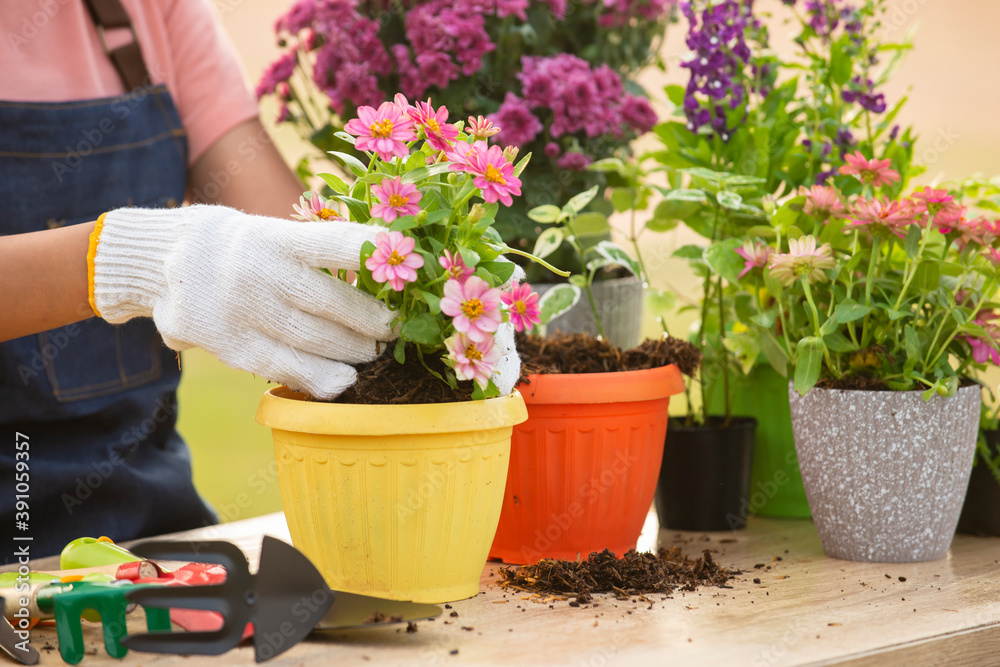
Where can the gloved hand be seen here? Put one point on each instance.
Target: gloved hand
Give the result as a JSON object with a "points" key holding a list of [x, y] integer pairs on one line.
{"points": [[245, 288], [509, 366]]}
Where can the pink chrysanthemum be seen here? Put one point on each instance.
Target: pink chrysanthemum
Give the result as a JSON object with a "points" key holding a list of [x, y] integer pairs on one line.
{"points": [[394, 260], [316, 207], [474, 360], [870, 172], [474, 305], [396, 199], [803, 260], [454, 266], [494, 175], [822, 202], [756, 256], [522, 304], [979, 231], [882, 216], [384, 131], [439, 132]]}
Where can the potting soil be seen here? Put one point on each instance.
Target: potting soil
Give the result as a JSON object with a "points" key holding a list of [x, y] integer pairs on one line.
{"points": [[584, 353], [633, 574]]}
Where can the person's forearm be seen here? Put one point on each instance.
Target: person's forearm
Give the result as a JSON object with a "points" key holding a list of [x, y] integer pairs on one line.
{"points": [[44, 280]]}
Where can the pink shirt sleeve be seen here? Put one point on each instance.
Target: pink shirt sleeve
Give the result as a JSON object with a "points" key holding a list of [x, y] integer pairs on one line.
{"points": [[209, 84], [56, 56]]}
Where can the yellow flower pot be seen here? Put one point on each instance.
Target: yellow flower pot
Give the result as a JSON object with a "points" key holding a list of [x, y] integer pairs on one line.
{"points": [[396, 501]]}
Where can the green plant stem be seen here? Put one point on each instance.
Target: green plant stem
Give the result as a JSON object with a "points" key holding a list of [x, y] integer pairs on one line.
{"points": [[913, 264], [573, 239], [514, 251], [826, 353], [723, 357], [992, 285], [869, 284], [634, 238]]}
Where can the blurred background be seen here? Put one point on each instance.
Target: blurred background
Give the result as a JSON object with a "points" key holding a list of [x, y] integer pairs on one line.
{"points": [[953, 98]]}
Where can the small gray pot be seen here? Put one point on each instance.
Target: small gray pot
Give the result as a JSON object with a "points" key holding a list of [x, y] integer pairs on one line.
{"points": [[884, 471], [619, 302]]}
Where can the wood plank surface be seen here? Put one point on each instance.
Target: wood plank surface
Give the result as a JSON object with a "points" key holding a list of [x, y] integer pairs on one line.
{"points": [[807, 610]]}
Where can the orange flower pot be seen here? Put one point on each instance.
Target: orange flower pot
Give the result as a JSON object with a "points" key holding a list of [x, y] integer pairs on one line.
{"points": [[583, 468]]}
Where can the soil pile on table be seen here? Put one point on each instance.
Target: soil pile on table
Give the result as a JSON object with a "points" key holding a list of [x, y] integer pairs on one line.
{"points": [[385, 381], [584, 353], [633, 574]]}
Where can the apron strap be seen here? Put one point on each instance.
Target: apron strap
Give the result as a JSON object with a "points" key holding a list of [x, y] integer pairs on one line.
{"points": [[127, 59]]}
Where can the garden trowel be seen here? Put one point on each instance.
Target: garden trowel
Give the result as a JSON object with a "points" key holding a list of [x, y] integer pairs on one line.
{"points": [[285, 600]]}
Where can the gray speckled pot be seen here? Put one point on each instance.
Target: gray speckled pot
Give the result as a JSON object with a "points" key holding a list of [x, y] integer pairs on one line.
{"points": [[619, 302], [885, 472]]}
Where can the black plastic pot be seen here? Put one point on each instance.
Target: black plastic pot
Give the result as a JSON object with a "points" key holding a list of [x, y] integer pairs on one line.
{"points": [[981, 511], [705, 477]]}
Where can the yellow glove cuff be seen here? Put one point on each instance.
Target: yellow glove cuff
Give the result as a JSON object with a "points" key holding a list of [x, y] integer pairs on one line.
{"points": [[95, 239]]}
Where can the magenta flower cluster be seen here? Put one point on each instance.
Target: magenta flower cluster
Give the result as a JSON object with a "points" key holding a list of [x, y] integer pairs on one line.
{"points": [[577, 97]]}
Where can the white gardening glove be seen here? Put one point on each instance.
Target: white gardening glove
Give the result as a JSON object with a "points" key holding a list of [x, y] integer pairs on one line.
{"points": [[509, 366], [246, 288]]}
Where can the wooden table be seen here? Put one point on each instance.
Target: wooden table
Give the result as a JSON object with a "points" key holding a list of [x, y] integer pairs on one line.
{"points": [[807, 610]]}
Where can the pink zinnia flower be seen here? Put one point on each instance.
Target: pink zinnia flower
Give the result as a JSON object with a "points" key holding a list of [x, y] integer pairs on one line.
{"points": [[474, 360], [803, 260], [394, 260], [454, 266], [939, 206], [474, 305], [316, 207], [985, 348], [822, 202], [755, 254], [481, 127], [993, 255], [882, 215], [979, 231], [439, 132], [522, 304], [397, 199], [384, 131], [873, 172], [494, 174]]}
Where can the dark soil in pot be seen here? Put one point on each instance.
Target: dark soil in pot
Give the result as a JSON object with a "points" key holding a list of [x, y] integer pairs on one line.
{"points": [[981, 510], [385, 381], [705, 476], [583, 353]]}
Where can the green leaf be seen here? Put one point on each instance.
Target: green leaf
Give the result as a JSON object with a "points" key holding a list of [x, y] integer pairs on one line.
{"points": [[349, 138], [519, 167], [690, 251], [548, 242], [840, 61], [358, 209], [829, 326], [557, 301], [502, 270], [433, 301], [662, 224], [545, 214], [729, 200], [677, 209], [609, 250], [682, 194], [838, 342], [469, 256], [913, 240], [367, 281], [912, 341], [335, 183], [774, 353], [580, 201], [399, 352], [608, 164], [621, 199], [403, 223], [424, 328], [808, 363], [721, 257], [354, 164], [675, 93], [897, 314], [578, 280], [423, 173], [591, 224], [927, 276], [849, 311]]}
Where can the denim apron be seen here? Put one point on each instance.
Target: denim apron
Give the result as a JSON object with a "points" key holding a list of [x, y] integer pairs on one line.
{"points": [[97, 401]]}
